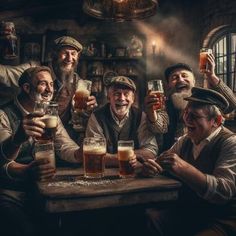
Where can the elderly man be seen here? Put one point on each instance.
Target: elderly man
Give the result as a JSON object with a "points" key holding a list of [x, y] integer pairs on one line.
{"points": [[119, 120], [180, 79], [65, 58], [205, 161], [19, 127]]}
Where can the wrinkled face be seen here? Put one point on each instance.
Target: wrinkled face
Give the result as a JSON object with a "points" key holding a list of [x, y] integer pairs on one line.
{"points": [[121, 100], [41, 88], [199, 125], [68, 59], [181, 80]]}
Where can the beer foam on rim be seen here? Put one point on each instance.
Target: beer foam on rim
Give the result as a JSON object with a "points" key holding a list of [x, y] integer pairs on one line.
{"points": [[50, 121], [94, 150]]}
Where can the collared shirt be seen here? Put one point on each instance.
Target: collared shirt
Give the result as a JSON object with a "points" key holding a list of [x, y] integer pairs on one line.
{"points": [[221, 183], [64, 146], [146, 139]]}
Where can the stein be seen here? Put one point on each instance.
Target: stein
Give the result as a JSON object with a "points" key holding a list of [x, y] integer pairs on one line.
{"points": [[81, 94], [125, 153], [94, 151], [203, 64], [156, 87]]}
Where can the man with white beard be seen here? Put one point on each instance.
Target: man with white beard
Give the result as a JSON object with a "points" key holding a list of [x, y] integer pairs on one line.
{"points": [[65, 57], [180, 80]]}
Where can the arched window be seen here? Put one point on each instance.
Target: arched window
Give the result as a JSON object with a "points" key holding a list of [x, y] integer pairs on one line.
{"points": [[224, 49]]}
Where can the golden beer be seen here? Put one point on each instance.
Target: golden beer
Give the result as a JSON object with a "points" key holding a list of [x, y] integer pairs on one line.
{"points": [[94, 151], [125, 154], [203, 64]]}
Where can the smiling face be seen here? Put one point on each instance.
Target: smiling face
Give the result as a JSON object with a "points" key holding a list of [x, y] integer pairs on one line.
{"points": [[200, 124], [121, 99], [41, 87]]}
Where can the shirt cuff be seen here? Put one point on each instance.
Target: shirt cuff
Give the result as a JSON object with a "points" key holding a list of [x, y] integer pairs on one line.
{"points": [[211, 187]]}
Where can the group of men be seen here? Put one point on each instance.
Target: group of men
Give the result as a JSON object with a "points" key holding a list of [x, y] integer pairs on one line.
{"points": [[203, 158]]}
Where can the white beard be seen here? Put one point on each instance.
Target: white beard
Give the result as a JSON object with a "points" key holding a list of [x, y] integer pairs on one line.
{"points": [[178, 100]]}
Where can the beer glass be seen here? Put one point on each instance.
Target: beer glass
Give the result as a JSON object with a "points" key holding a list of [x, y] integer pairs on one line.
{"points": [[94, 151], [45, 150], [125, 153], [50, 118], [203, 64], [156, 87], [81, 94]]}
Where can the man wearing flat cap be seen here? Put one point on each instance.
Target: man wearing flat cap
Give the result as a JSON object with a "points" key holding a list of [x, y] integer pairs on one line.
{"points": [[20, 126], [204, 160], [180, 79], [64, 61], [120, 120]]}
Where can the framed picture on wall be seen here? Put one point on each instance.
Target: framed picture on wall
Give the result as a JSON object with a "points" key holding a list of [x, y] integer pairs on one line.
{"points": [[31, 47]]}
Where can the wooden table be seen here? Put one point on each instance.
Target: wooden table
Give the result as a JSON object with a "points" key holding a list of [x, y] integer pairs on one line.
{"points": [[70, 191]]}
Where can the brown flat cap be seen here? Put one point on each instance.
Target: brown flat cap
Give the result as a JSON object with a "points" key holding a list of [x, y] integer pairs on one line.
{"points": [[30, 73], [68, 41], [208, 96], [122, 81]]}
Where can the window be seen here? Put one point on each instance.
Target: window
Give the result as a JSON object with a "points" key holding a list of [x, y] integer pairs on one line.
{"points": [[224, 49]]}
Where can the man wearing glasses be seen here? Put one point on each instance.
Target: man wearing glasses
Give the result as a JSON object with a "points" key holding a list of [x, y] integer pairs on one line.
{"points": [[205, 161]]}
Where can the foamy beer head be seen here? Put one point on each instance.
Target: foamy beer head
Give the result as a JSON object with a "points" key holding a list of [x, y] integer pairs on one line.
{"points": [[50, 122], [94, 151], [125, 153]]}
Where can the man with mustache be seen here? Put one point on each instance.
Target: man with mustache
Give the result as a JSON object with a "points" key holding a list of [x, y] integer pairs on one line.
{"points": [[65, 57], [120, 120], [180, 80], [204, 160], [19, 127]]}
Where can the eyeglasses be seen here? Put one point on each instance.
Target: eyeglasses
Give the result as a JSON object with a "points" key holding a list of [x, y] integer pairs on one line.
{"points": [[192, 116]]}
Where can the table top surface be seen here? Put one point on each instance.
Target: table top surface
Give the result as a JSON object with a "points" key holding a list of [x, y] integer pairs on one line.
{"points": [[70, 183]]}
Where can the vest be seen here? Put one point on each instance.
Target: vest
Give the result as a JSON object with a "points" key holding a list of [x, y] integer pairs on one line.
{"points": [[175, 124], [206, 163], [113, 132], [25, 154]]}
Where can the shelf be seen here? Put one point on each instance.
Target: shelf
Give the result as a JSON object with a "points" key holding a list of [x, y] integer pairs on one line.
{"points": [[111, 58]]}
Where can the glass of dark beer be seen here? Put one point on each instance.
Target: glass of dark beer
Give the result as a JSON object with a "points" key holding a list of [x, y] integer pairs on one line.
{"points": [[125, 153], [94, 151], [50, 119]]}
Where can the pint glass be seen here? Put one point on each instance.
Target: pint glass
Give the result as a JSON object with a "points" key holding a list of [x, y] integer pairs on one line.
{"points": [[81, 94], [94, 151], [45, 150], [125, 153], [203, 65], [156, 87]]}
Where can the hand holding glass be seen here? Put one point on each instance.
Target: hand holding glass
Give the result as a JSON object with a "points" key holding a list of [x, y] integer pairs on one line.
{"points": [[203, 64], [156, 87], [81, 95]]}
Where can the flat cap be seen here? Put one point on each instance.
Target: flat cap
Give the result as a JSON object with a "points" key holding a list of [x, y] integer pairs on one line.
{"points": [[122, 81], [30, 73], [174, 67], [67, 41], [208, 96]]}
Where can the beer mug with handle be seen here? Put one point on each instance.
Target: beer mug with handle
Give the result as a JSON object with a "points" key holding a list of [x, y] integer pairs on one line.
{"points": [[94, 151]]}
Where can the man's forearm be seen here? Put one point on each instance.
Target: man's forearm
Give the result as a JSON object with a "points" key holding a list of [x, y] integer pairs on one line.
{"points": [[9, 150], [144, 154]]}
